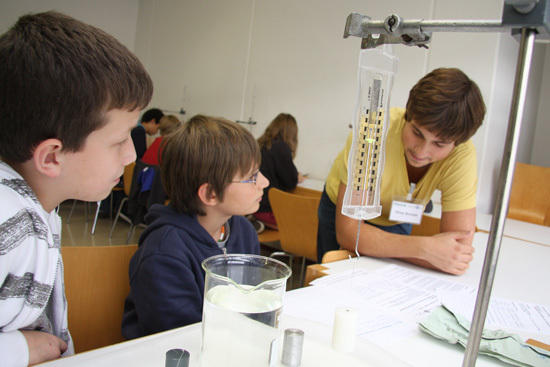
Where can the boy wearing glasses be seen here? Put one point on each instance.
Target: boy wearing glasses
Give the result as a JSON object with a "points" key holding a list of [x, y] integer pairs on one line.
{"points": [[209, 170]]}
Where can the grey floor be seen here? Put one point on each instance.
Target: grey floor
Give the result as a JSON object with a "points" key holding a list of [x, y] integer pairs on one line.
{"points": [[77, 230]]}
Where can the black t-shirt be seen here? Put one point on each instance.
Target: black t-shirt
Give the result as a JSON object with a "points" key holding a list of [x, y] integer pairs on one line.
{"points": [[140, 141], [278, 167]]}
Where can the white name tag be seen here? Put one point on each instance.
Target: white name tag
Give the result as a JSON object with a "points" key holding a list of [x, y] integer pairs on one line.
{"points": [[402, 211]]}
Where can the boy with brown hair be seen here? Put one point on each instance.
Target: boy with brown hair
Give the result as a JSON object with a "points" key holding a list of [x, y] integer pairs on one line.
{"points": [[210, 172], [70, 96], [427, 145]]}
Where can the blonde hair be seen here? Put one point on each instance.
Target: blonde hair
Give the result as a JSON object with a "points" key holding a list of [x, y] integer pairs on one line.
{"points": [[282, 127], [168, 124]]}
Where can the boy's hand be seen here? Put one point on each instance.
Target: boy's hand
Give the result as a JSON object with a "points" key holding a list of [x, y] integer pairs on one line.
{"points": [[448, 252], [43, 346]]}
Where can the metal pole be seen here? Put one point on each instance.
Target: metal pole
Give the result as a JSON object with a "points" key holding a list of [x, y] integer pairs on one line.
{"points": [[503, 195]]}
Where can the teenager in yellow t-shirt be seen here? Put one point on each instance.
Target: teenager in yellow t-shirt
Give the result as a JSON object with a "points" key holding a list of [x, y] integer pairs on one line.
{"points": [[428, 145]]}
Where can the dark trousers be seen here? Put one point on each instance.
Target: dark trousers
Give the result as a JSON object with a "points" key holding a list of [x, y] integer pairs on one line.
{"points": [[326, 233]]}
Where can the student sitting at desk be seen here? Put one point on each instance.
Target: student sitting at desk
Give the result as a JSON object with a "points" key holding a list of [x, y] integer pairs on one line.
{"points": [[168, 124], [428, 145], [209, 169], [149, 125], [278, 143]]}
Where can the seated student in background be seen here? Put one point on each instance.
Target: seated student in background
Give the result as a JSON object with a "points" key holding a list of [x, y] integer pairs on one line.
{"points": [[278, 143], [209, 170], [427, 144], [167, 125], [149, 125], [66, 135]]}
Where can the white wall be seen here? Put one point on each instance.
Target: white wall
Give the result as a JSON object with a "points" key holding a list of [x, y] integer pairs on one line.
{"points": [[529, 123], [540, 155], [255, 58], [117, 17]]}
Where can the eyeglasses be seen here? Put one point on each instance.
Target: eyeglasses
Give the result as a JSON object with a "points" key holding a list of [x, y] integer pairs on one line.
{"points": [[252, 178]]}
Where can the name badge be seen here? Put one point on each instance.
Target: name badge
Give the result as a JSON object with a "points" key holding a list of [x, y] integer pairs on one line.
{"points": [[402, 211]]}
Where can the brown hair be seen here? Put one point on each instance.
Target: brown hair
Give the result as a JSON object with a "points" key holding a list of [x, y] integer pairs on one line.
{"points": [[282, 127], [448, 104], [168, 124], [59, 78], [205, 150]]}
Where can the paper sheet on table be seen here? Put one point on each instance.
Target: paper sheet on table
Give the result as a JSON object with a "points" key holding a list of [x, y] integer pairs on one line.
{"points": [[390, 300], [374, 324], [513, 316]]}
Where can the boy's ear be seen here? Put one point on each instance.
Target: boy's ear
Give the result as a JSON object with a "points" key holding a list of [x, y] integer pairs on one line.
{"points": [[207, 195], [47, 157]]}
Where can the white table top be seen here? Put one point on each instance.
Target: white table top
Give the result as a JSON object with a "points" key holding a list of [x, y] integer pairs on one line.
{"points": [[517, 229], [521, 272], [521, 269], [150, 350], [312, 183], [512, 228]]}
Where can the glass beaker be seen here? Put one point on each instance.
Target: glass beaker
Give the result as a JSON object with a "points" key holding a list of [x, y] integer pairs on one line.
{"points": [[243, 299]]}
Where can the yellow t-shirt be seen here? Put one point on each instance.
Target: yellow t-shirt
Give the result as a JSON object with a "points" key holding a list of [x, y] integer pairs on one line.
{"points": [[455, 176]]}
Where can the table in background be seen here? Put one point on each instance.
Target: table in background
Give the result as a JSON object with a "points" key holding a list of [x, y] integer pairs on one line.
{"points": [[312, 183], [513, 228], [517, 229]]}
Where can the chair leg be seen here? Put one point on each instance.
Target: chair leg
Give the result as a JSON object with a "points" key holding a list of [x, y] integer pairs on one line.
{"points": [[130, 233], [96, 215], [111, 206], [302, 273], [117, 216], [71, 212], [290, 261]]}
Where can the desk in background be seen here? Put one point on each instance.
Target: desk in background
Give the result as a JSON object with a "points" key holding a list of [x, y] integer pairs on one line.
{"points": [[517, 229], [313, 184], [513, 228]]}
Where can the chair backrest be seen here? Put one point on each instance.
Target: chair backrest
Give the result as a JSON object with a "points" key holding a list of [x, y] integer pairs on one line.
{"points": [[145, 191], [306, 192], [336, 255], [530, 196], [428, 227], [296, 217], [128, 176], [96, 286]]}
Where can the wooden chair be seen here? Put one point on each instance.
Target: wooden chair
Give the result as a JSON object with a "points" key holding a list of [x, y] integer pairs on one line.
{"points": [[306, 192], [96, 285], [428, 227], [128, 176], [317, 270], [530, 196], [296, 217], [271, 237]]}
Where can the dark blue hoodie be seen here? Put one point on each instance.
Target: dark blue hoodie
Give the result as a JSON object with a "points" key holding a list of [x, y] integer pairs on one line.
{"points": [[166, 277]]}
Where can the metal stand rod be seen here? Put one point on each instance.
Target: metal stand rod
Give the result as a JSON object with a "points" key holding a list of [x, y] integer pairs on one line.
{"points": [[503, 195], [363, 26]]}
